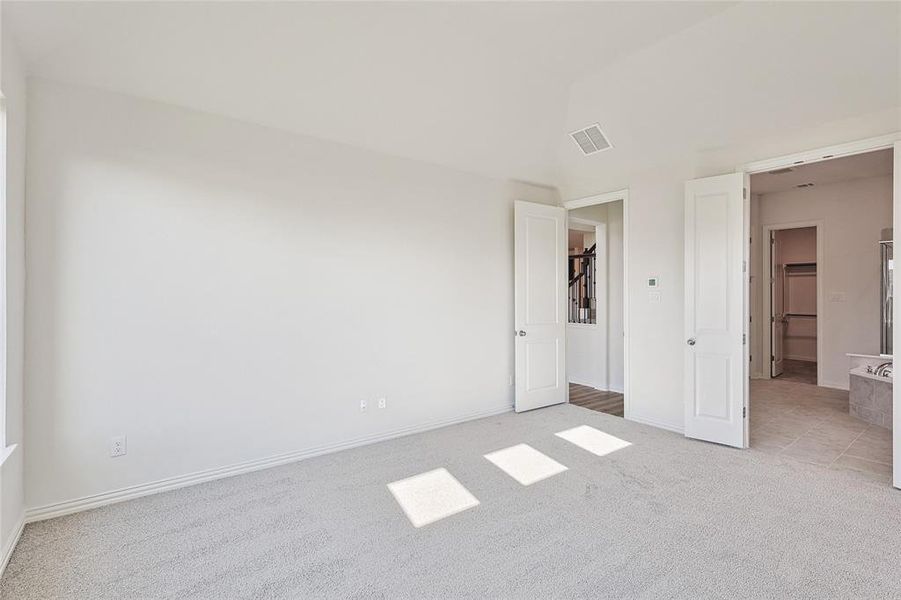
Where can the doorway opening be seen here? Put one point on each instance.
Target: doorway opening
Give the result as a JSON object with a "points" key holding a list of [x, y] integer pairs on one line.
{"points": [[793, 305], [820, 297], [595, 352]]}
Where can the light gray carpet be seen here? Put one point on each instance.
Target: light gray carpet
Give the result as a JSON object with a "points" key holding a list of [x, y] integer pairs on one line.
{"points": [[663, 518]]}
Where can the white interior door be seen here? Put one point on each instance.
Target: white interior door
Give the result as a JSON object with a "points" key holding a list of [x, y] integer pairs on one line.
{"points": [[777, 319], [540, 305], [716, 308]]}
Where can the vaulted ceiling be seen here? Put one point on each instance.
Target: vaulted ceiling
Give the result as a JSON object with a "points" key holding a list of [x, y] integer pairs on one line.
{"points": [[492, 88]]}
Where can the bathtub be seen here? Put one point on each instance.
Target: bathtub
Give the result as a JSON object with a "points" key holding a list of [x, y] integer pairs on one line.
{"points": [[870, 397]]}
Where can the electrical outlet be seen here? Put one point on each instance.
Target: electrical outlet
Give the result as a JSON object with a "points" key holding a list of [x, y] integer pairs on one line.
{"points": [[363, 405], [383, 402], [118, 446]]}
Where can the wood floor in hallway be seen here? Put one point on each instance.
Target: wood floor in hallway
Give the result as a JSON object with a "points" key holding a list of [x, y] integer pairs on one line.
{"points": [[601, 401]]}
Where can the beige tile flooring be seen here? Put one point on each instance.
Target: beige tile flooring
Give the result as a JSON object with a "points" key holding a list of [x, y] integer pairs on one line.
{"points": [[799, 370], [812, 424]]}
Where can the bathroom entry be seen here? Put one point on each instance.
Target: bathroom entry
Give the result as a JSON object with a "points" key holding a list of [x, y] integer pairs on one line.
{"points": [[820, 297], [793, 289]]}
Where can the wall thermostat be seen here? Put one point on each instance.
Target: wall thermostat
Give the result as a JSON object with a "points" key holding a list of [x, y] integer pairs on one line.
{"points": [[653, 282]]}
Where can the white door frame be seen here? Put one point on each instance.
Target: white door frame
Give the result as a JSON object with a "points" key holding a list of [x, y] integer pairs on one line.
{"points": [[606, 198], [889, 140], [768, 300]]}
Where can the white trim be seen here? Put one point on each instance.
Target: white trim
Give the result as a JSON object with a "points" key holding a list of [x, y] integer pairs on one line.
{"points": [[7, 452], [597, 199], [835, 385], [659, 424], [820, 154], [11, 544], [592, 384], [4, 257], [618, 195], [822, 267], [896, 331], [66, 507]]}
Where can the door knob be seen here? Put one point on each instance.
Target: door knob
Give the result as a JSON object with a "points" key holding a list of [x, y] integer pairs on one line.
{"points": [[521, 333], [692, 341]]}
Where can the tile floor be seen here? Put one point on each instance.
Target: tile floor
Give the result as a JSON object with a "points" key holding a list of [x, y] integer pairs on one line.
{"points": [[812, 424], [801, 371]]}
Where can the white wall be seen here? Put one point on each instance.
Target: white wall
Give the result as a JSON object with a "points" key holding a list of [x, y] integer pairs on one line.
{"points": [[187, 290], [594, 353], [853, 215], [12, 84]]}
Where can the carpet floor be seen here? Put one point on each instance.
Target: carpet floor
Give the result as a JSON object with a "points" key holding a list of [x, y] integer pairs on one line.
{"points": [[665, 517]]}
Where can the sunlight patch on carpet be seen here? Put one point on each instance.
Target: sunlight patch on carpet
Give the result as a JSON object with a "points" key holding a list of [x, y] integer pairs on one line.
{"points": [[525, 464], [431, 496], [595, 441]]}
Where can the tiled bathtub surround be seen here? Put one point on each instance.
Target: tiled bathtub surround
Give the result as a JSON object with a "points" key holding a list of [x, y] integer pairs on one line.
{"points": [[870, 400], [812, 424]]}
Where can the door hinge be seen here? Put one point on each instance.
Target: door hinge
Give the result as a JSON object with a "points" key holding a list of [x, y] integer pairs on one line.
{"points": [[744, 412], [744, 266], [744, 339], [772, 358], [744, 193]]}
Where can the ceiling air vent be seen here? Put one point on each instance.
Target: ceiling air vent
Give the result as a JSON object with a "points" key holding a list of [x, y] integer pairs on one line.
{"points": [[781, 171], [591, 139]]}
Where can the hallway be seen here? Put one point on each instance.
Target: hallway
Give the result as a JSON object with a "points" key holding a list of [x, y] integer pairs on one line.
{"points": [[598, 400]]}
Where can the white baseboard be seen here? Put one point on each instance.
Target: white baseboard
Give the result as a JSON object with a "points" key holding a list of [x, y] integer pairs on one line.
{"points": [[591, 384], [655, 423], [598, 386], [800, 358], [834, 385], [11, 544], [67, 507]]}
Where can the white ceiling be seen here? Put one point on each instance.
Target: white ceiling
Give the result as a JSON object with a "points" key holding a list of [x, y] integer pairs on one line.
{"points": [[491, 88], [477, 86], [754, 73], [859, 166]]}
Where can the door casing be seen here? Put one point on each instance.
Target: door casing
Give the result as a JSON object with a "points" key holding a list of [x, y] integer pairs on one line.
{"points": [[615, 196], [889, 140], [768, 274]]}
